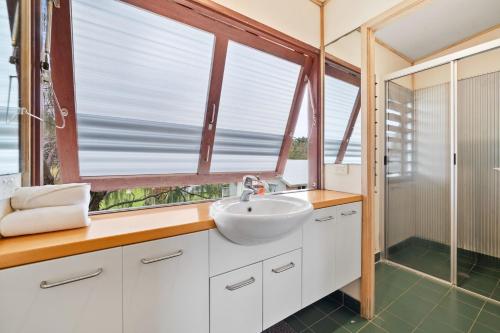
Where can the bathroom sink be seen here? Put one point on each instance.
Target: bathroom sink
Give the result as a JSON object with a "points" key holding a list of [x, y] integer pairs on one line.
{"points": [[260, 220]]}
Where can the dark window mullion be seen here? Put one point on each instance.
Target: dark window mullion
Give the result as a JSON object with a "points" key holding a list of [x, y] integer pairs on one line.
{"points": [[211, 113], [349, 129], [294, 115]]}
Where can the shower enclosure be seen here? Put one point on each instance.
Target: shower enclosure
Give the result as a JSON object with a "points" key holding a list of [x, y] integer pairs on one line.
{"points": [[442, 182]]}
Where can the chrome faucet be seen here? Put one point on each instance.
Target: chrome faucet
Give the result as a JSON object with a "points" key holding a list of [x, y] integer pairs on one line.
{"points": [[248, 187]]}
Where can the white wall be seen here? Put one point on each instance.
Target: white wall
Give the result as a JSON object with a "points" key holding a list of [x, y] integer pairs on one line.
{"points": [[297, 18], [349, 49], [342, 16]]}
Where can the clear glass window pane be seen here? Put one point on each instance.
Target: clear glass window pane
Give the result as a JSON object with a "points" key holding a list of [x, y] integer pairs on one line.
{"points": [[256, 99], [340, 97], [141, 85]]}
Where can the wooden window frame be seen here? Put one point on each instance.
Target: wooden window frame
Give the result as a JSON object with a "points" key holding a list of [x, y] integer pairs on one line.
{"points": [[226, 25], [350, 74]]}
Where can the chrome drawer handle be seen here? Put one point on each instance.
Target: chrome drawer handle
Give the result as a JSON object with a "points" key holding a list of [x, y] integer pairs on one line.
{"points": [[240, 284], [283, 268], [352, 212], [46, 284], [324, 219], [168, 256]]}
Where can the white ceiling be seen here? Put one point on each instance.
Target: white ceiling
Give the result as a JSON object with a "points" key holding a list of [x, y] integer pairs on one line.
{"points": [[439, 24]]}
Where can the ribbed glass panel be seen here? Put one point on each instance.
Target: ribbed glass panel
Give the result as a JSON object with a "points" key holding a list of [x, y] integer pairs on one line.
{"points": [[340, 97], [141, 85], [256, 99], [9, 100], [418, 173], [478, 183]]}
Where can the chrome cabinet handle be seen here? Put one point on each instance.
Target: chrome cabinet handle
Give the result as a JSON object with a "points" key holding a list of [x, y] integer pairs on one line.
{"points": [[352, 212], [46, 284], [324, 219], [283, 268], [168, 256], [241, 284]]}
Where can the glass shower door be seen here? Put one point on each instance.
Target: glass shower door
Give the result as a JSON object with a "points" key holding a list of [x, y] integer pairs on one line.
{"points": [[478, 176], [418, 171]]}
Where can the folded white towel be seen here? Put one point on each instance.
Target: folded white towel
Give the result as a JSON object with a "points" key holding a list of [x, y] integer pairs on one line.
{"points": [[33, 221], [50, 196]]}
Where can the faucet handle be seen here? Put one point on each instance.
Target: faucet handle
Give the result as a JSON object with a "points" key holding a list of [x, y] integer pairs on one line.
{"points": [[248, 181]]}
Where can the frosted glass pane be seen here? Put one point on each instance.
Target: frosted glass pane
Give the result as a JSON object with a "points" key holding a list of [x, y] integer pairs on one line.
{"points": [[256, 99], [141, 89], [9, 100], [339, 101]]}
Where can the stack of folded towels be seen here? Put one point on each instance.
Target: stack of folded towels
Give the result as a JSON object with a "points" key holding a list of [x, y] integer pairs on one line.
{"points": [[47, 208]]}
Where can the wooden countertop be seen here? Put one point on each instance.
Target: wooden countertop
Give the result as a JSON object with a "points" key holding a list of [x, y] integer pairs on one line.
{"points": [[123, 228]]}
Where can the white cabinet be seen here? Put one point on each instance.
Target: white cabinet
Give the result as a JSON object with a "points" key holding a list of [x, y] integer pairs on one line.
{"points": [[77, 294], [348, 244], [236, 301], [166, 286], [282, 287], [331, 251], [226, 255], [318, 266]]}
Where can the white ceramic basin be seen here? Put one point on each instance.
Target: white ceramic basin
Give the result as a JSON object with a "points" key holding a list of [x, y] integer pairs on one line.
{"points": [[260, 220]]}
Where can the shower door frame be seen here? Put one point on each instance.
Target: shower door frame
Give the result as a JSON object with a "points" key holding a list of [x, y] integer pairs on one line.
{"points": [[452, 60]]}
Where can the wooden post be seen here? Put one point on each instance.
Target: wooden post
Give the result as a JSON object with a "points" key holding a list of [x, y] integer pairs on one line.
{"points": [[368, 171]]}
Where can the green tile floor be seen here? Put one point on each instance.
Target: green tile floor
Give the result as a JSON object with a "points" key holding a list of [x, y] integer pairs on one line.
{"points": [[405, 302], [476, 272]]}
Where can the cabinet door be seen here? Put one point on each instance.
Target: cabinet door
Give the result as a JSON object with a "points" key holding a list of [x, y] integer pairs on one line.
{"points": [[282, 287], [318, 250], [165, 285], [77, 294], [348, 244], [236, 301]]}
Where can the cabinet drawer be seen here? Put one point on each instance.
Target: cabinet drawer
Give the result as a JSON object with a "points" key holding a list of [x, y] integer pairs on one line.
{"points": [[236, 301], [282, 287], [165, 285], [80, 294]]}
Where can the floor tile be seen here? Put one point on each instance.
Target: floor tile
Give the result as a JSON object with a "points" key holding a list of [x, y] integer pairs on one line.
{"points": [[460, 307], [492, 308], [456, 294], [411, 309], [480, 282], [480, 328], [348, 319], [385, 294], [326, 325], [392, 324], [371, 328], [309, 315], [488, 319], [382, 271], [426, 293], [281, 327], [448, 316], [402, 279], [327, 305], [430, 325], [295, 323]]}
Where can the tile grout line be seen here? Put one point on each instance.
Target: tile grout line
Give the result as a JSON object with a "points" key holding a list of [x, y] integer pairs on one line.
{"points": [[477, 317], [435, 306]]}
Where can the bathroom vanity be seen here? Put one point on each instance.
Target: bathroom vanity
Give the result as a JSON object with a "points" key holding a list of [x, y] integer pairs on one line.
{"points": [[194, 282]]}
